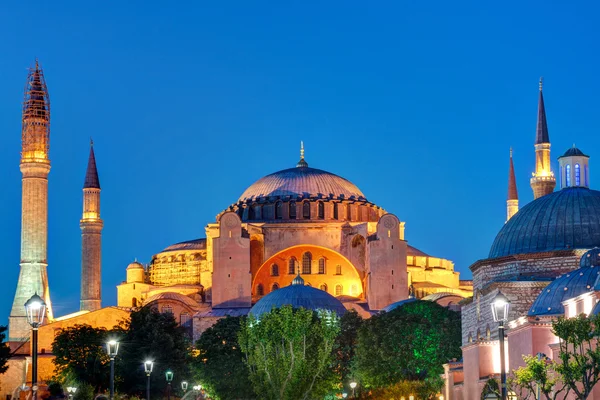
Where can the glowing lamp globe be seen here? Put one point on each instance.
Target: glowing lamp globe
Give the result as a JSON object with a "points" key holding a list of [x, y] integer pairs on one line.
{"points": [[184, 385], [112, 348], [148, 365], [500, 306], [36, 310], [169, 375]]}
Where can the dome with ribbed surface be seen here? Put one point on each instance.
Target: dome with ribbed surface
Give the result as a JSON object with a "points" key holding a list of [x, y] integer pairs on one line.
{"points": [[574, 152], [563, 220], [298, 295], [302, 182]]}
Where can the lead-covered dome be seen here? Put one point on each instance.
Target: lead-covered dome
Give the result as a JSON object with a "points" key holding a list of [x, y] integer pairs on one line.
{"points": [[298, 295], [302, 181], [563, 220]]}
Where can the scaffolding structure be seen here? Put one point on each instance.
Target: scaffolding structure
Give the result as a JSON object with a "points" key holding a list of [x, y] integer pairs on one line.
{"points": [[35, 118]]}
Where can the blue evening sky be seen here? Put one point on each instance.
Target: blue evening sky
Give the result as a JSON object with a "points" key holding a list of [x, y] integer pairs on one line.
{"points": [[188, 103]]}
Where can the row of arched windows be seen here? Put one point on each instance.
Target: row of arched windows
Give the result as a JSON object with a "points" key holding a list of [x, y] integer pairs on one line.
{"points": [[578, 175], [339, 289], [255, 211], [306, 266]]}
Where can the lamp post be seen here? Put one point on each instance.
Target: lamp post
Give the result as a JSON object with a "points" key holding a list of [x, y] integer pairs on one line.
{"points": [[71, 390], [148, 365], [344, 395], [353, 386], [184, 386], [169, 377], [112, 348], [35, 309], [500, 306]]}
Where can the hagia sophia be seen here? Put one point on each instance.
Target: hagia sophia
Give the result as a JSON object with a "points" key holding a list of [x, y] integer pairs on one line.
{"points": [[307, 237]]}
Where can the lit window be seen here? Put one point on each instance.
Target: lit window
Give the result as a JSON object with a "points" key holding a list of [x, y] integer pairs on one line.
{"points": [[306, 263], [306, 210], [321, 265], [586, 176], [292, 266], [338, 269], [577, 175], [278, 214], [321, 210], [274, 270], [339, 290], [323, 287], [568, 175], [292, 207], [185, 320], [274, 287], [167, 309], [259, 290]]}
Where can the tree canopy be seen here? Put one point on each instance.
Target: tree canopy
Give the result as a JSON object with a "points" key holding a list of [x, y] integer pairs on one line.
{"points": [[289, 353], [345, 346], [4, 350], [410, 343], [219, 363]]}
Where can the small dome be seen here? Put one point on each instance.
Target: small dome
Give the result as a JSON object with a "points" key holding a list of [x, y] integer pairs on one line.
{"points": [[196, 244], [135, 265], [297, 295], [563, 220], [564, 287], [399, 304], [573, 152], [590, 258]]}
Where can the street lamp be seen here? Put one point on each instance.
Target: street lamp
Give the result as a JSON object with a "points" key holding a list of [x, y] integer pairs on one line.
{"points": [[500, 306], [344, 395], [112, 348], [148, 365], [353, 386], [169, 377], [71, 390], [35, 308], [184, 386]]}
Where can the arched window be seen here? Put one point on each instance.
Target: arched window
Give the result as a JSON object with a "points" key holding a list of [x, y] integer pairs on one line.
{"points": [[323, 287], [348, 212], [251, 213], [577, 175], [568, 175], [354, 290], [306, 262], [335, 210], [167, 309], [321, 265], [339, 290], [260, 290], [306, 210], [292, 266], [562, 179], [134, 302], [274, 270], [274, 287], [278, 214], [338, 269], [321, 210], [185, 320], [292, 207]]}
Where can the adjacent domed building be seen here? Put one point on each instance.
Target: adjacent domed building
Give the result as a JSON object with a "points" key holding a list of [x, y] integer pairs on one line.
{"points": [[300, 220]]}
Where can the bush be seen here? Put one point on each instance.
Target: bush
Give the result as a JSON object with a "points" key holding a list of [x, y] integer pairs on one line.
{"points": [[84, 391]]}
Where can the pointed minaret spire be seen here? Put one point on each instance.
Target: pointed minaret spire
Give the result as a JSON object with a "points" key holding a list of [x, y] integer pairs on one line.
{"points": [[91, 175], [512, 200], [543, 180], [302, 163]]}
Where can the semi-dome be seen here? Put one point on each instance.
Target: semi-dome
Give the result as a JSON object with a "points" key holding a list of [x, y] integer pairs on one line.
{"points": [[563, 220], [564, 287], [298, 295], [302, 182], [399, 304]]}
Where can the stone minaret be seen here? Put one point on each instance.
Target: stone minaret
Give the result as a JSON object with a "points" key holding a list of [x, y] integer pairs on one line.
{"points": [[543, 180], [35, 166], [91, 239], [512, 200]]}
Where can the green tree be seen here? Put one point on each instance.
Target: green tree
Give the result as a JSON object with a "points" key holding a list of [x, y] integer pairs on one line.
{"points": [[150, 335], [426, 389], [4, 350], [491, 387], [579, 354], [289, 353], [220, 363], [80, 355], [538, 374], [411, 342], [345, 346]]}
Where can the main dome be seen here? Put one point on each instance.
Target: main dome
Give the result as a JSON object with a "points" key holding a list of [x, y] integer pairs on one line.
{"points": [[563, 220], [302, 181]]}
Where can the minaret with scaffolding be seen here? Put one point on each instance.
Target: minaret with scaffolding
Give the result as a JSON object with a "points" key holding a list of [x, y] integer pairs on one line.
{"points": [[35, 166]]}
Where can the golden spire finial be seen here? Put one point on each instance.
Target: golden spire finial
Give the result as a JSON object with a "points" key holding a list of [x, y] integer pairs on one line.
{"points": [[302, 150], [541, 82]]}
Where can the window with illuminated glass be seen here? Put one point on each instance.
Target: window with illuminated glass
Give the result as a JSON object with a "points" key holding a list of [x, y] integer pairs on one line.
{"points": [[339, 290], [306, 263], [292, 266], [568, 175], [321, 265], [577, 175]]}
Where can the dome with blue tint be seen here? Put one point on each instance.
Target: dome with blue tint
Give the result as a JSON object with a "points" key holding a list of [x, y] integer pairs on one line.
{"points": [[564, 287], [563, 220], [590, 258], [573, 152], [298, 295], [399, 304]]}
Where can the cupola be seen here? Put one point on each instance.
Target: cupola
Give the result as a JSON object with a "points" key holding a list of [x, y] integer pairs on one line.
{"points": [[574, 169]]}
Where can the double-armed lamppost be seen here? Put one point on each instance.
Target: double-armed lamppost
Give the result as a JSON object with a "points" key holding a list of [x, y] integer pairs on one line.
{"points": [[35, 309], [112, 348], [148, 365], [71, 390], [169, 377], [500, 306]]}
